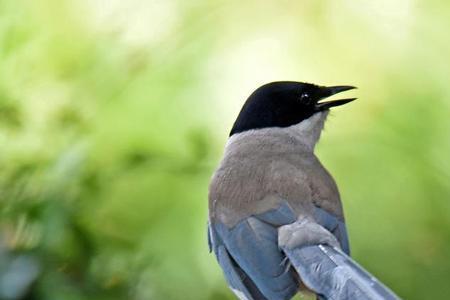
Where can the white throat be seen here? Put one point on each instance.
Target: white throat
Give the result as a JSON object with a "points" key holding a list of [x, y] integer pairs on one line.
{"points": [[308, 131]]}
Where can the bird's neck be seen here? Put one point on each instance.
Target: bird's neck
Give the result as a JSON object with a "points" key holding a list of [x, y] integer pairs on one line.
{"points": [[302, 137], [308, 131]]}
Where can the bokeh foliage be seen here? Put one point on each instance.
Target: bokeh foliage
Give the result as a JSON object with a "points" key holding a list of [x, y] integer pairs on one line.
{"points": [[113, 115]]}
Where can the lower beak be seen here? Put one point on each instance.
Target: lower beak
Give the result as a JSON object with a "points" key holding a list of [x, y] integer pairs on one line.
{"points": [[330, 91]]}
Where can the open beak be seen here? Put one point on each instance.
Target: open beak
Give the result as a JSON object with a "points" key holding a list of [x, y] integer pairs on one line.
{"points": [[326, 92]]}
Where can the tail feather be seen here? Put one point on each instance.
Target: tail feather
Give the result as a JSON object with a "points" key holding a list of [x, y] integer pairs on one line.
{"points": [[333, 275]]}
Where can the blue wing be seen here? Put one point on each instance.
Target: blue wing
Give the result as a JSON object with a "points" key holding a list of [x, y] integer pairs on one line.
{"points": [[254, 265], [250, 257], [334, 225]]}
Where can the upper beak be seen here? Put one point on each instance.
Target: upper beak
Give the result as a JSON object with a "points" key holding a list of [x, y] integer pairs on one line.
{"points": [[331, 90]]}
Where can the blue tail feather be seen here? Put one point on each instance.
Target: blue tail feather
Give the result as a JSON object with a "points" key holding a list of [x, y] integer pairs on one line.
{"points": [[333, 275]]}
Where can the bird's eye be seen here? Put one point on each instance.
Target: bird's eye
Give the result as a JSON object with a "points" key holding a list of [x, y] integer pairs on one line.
{"points": [[305, 96]]}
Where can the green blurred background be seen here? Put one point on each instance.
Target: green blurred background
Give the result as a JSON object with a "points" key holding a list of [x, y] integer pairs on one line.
{"points": [[113, 115]]}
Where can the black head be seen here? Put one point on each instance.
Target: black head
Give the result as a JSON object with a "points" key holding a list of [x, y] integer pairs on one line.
{"points": [[285, 103]]}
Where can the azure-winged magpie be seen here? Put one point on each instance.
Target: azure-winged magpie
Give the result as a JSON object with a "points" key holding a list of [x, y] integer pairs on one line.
{"points": [[276, 223]]}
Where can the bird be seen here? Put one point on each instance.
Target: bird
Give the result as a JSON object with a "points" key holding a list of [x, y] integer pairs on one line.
{"points": [[275, 218]]}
